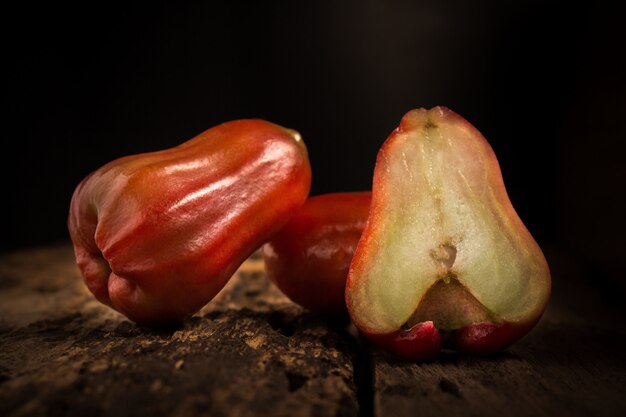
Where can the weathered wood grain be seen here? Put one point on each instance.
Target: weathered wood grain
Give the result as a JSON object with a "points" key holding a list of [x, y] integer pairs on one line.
{"points": [[248, 353], [251, 352]]}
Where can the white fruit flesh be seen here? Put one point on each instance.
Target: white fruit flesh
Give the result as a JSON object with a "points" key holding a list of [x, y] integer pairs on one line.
{"points": [[440, 213]]}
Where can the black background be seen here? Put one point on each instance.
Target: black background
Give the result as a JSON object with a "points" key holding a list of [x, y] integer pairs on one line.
{"points": [[542, 80]]}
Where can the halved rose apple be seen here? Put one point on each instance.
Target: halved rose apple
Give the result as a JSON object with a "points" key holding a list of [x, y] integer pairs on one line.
{"points": [[444, 260]]}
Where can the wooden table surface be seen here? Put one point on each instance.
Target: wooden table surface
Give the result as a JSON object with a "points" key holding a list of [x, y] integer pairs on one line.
{"points": [[251, 352]]}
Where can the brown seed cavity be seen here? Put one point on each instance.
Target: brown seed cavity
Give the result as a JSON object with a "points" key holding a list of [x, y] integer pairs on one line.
{"points": [[444, 256]]}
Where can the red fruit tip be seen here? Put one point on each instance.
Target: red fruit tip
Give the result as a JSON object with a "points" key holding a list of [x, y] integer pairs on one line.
{"points": [[421, 342]]}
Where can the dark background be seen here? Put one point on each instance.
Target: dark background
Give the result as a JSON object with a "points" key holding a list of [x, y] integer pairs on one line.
{"points": [[542, 80]]}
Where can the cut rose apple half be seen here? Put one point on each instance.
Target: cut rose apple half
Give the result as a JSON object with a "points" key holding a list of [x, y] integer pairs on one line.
{"points": [[444, 260]]}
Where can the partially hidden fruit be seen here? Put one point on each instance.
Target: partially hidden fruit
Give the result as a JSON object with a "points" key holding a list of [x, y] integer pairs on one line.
{"points": [[444, 260], [157, 235], [309, 258]]}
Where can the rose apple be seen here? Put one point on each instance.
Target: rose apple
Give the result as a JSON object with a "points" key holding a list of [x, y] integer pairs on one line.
{"points": [[309, 258], [444, 259], [157, 235]]}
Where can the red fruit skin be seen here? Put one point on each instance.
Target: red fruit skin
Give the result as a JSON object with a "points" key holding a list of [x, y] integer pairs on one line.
{"points": [[488, 338], [157, 235], [422, 342], [309, 258]]}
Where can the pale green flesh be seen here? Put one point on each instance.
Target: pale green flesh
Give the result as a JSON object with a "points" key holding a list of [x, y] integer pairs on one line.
{"points": [[439, 184]]}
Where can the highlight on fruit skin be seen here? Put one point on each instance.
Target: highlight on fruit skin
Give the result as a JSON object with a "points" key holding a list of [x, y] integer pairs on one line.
{"points": [[157, 235], [444, 260], [308, 259]]}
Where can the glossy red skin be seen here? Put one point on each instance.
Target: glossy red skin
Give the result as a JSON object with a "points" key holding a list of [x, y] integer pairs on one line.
{"points": [[309, 258], [421, 342], [487, 338], [157, 235]]}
